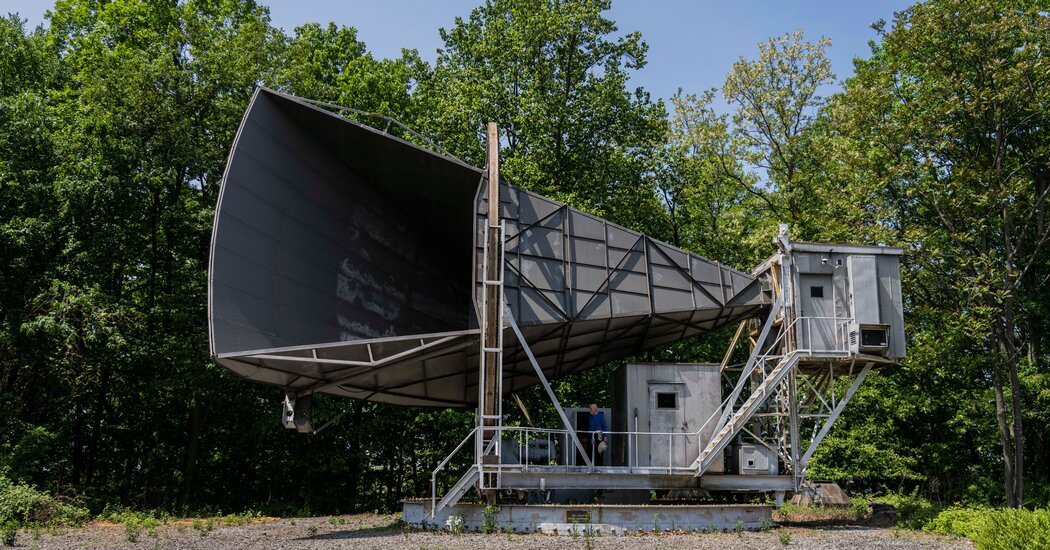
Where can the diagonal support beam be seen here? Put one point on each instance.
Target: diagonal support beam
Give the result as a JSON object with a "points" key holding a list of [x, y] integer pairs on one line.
{"points": [[750, 365], [834, 416], [547, 386]]}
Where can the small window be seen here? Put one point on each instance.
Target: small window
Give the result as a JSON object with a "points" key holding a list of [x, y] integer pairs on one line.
{"points": [[667, 401], [816, 292], [873, 337]]}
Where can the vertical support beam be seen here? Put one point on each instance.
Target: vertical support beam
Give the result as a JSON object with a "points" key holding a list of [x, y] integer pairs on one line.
{"points": [[491, 322], [793, 436], [493, 164]]}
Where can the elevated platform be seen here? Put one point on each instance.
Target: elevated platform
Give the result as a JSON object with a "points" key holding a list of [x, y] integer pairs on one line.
{"points": [[594, 519], [615, 477]]}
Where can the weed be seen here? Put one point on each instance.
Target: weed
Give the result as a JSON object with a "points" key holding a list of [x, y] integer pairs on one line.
{"points": [[237, 520], [132, 528], [588, 537], [203, 526], [312, 530], [489, 517], [9, 533], [454, 525], [785, 537], [292, 521], [767, 524], [739, 529]]}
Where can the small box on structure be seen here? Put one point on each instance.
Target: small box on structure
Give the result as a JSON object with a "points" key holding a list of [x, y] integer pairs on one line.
{"points": [[665, 405]]}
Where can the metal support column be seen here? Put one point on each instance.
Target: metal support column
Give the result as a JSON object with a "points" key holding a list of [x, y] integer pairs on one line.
{"points": [[792, 387]]}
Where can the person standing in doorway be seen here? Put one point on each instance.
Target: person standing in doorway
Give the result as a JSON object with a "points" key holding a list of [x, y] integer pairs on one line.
{"points": [[597, 428]]}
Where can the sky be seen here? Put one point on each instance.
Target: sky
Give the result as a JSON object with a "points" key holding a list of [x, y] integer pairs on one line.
{"points": [[692, 44]]}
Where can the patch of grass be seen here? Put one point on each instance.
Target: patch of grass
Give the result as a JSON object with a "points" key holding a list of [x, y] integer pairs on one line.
{"points": [[1010, 529], [204, 527], [784, 536], [793, 513], [244, 518]]}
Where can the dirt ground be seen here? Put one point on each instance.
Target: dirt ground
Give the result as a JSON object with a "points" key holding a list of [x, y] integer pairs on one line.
{"points": [[383, 531]]}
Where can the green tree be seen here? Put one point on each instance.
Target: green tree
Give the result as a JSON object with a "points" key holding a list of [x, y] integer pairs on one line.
{"points": [[711, 199], [777, 98], [946, 134], [330, 64], [554, 78]]}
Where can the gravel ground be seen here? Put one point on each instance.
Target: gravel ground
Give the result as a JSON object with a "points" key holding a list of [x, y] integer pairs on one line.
{"points": [[379, 531]]}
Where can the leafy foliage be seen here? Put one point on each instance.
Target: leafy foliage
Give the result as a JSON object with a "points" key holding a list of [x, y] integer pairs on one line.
{"points": [[21, 504]]}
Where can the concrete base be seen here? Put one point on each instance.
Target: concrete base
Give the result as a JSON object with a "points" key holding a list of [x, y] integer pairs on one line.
{"points": [[596, 519]]}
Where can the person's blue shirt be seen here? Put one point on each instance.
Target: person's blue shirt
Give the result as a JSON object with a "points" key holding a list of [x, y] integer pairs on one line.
{"points": [[598, 422]]}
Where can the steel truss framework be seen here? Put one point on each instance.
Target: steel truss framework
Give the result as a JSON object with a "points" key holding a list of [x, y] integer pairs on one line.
{"points": [[785, 398]]}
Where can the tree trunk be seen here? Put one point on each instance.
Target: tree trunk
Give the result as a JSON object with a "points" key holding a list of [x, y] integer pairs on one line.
{"points": [[1004, 434]]}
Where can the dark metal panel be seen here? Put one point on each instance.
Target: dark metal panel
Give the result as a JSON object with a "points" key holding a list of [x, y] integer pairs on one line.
{"points": [[315, 240]]}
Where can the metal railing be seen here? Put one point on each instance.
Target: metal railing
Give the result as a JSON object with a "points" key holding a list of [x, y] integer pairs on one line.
{"points": [[523, 435], [441, 466], [835, 329]]}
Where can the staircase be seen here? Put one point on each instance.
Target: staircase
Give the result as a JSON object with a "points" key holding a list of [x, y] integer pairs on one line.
{"points": [[741, 417], [457, 491]]}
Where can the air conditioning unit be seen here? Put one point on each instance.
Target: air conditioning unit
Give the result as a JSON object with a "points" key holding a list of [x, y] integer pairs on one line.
{"points": [[870, 339]]}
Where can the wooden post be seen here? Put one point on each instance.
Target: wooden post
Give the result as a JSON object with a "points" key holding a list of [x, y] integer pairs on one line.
{"points": [[491, 329], [493, 158]]}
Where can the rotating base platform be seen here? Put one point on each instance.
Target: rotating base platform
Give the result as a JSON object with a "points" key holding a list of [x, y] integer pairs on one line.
{"points": [[594, 519]]}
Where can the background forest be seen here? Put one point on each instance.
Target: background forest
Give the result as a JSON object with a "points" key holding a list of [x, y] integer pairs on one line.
{"points": [[116, 120]]}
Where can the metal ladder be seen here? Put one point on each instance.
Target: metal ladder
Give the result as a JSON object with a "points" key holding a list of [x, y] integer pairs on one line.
{"points": [[741, 417], [488, 435]]}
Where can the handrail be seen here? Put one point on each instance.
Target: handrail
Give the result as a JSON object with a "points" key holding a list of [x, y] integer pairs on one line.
{"points": [[441, 466]]}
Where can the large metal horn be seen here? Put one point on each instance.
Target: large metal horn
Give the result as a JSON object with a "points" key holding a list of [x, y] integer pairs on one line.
{"points": [[345, 261]]}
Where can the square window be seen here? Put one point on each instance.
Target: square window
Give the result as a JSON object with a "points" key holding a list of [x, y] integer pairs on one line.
{"points": [[667, 401], [816, 292]]}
